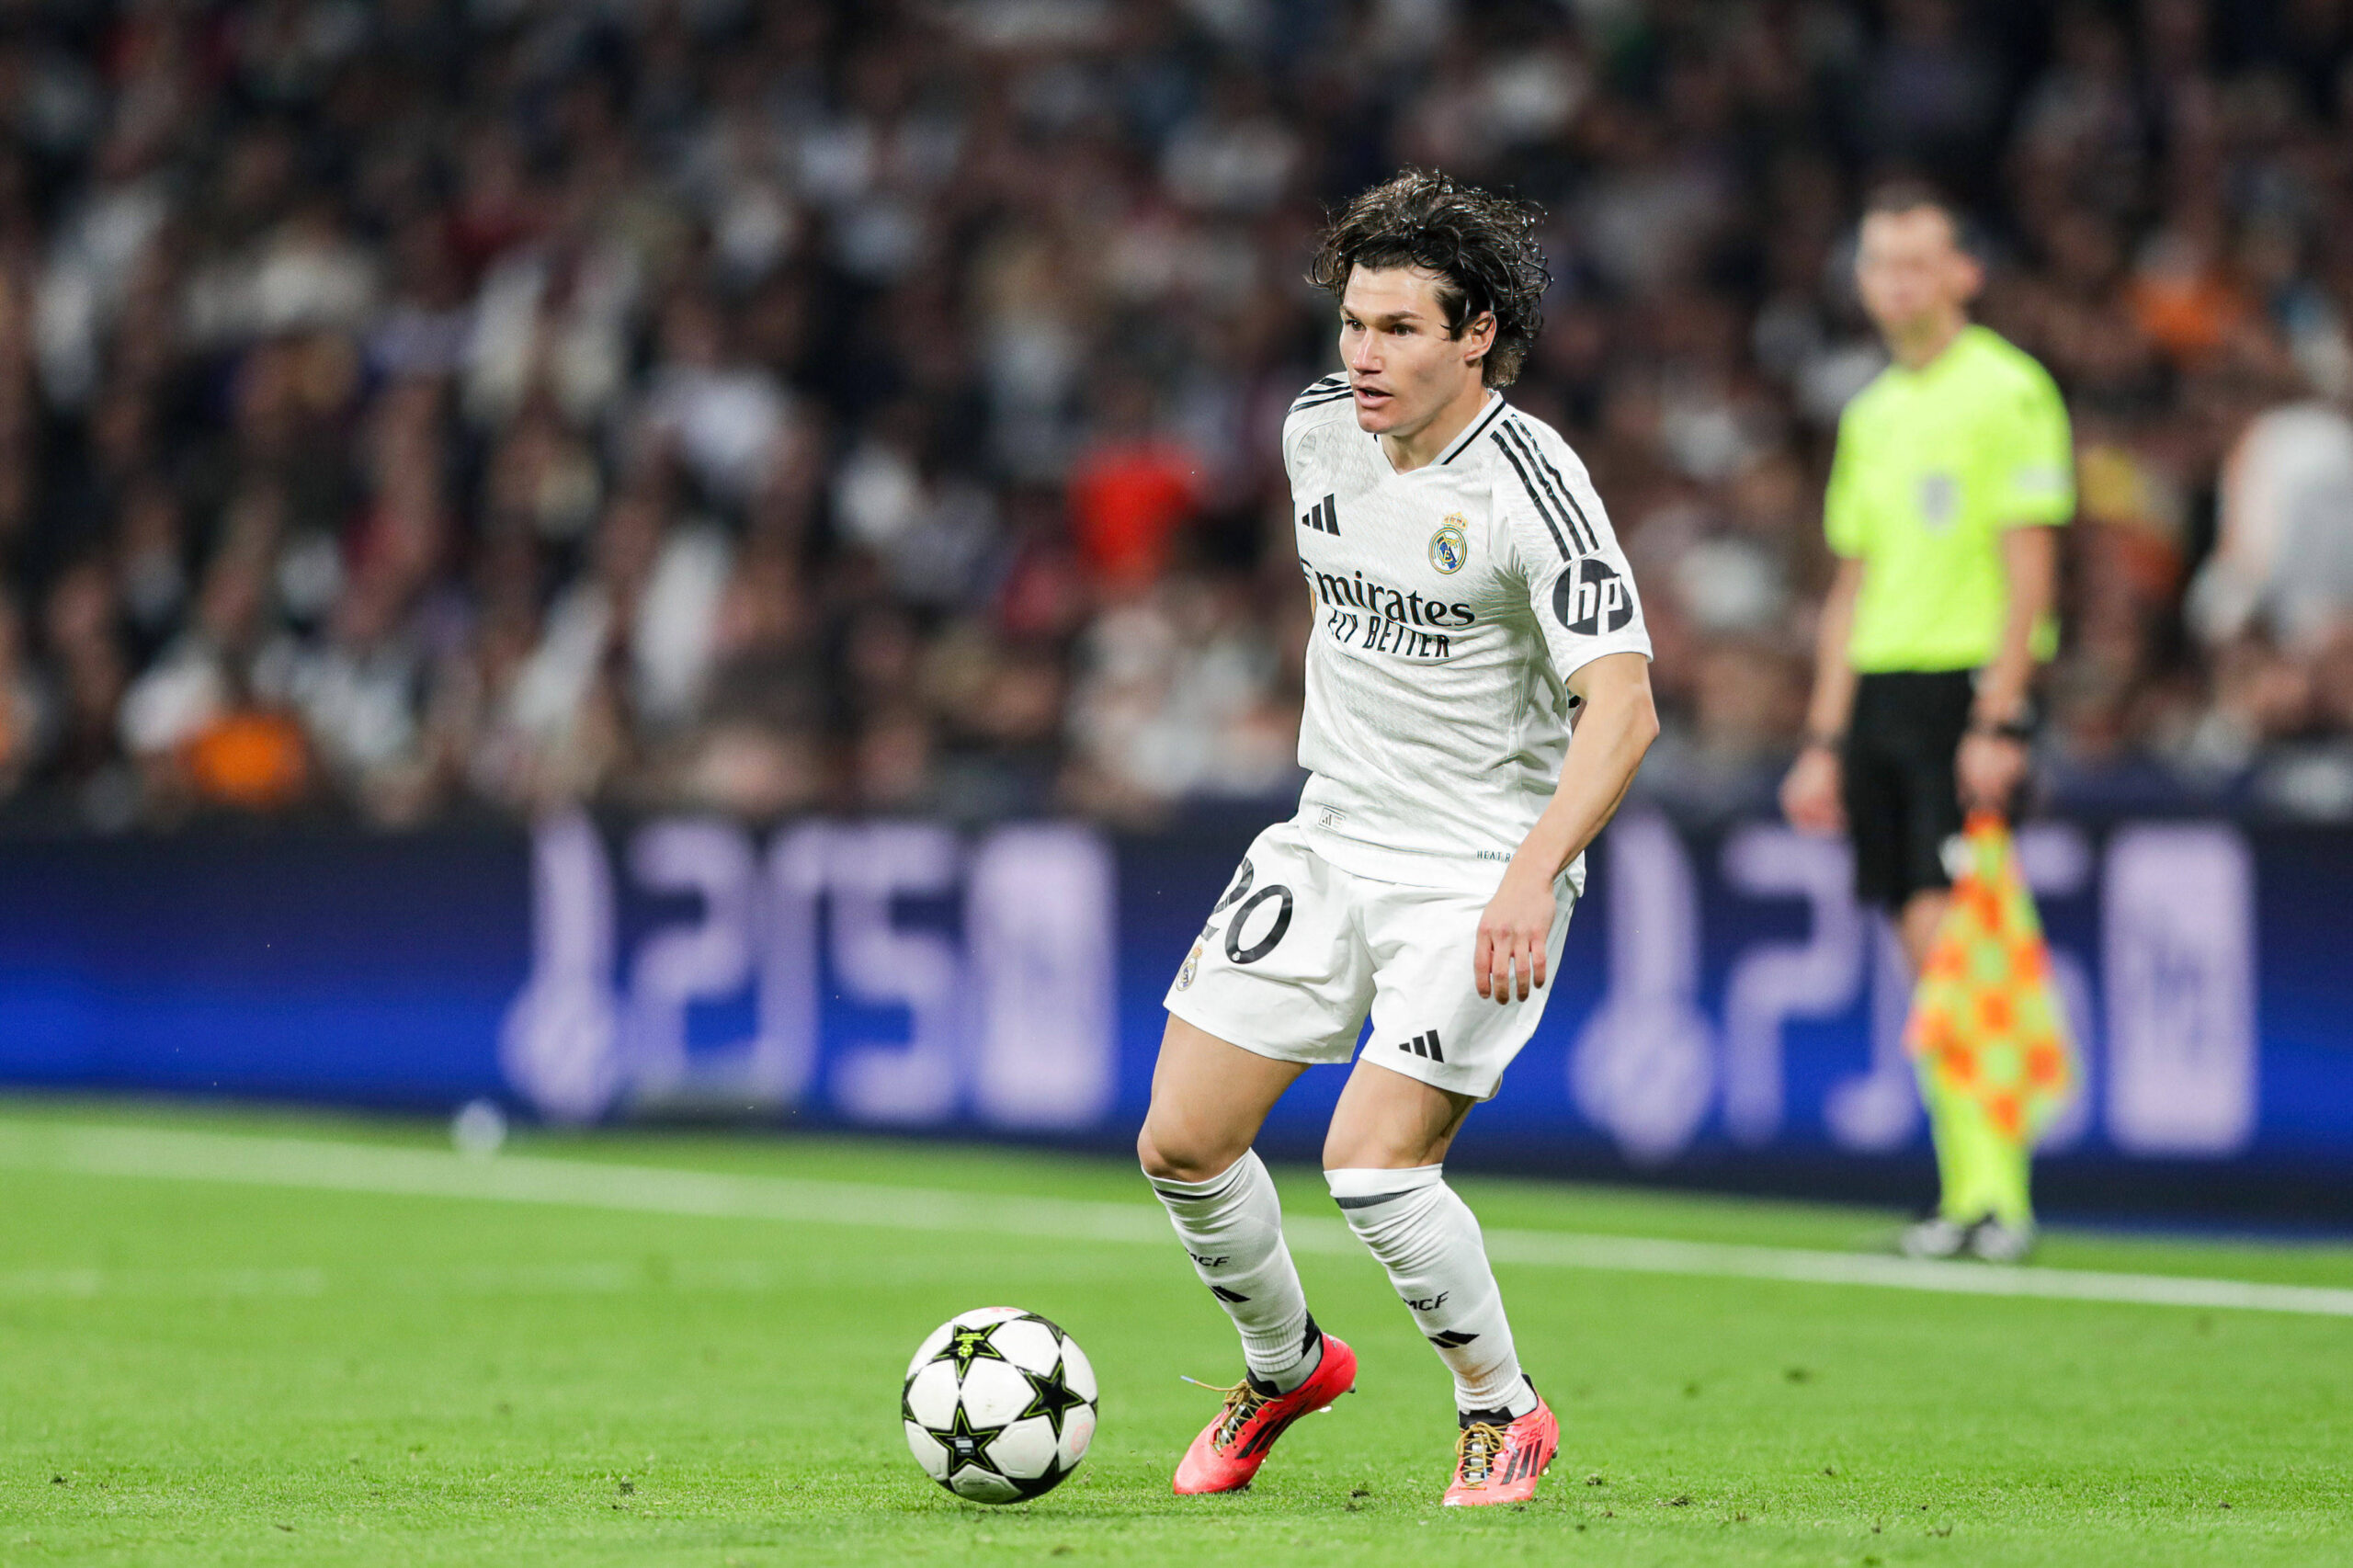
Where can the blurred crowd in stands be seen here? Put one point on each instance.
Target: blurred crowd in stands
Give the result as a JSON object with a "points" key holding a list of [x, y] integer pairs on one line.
{"points": [[424, 406]]}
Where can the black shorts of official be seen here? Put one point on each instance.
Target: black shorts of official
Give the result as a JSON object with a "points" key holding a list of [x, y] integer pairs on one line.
{"points": [[1903, 802]]}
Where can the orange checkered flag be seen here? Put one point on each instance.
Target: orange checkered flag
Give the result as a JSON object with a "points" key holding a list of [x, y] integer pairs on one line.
{"points": [[1986, 1020]]}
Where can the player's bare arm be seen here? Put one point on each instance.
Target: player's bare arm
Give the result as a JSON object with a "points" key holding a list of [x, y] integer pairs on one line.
{"points": [[1992, 758], [1616, 726], [1810, 793]]}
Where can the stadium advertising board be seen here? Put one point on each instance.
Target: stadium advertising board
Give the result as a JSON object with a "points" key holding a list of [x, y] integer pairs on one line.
{"points": [[1724, 1012]]}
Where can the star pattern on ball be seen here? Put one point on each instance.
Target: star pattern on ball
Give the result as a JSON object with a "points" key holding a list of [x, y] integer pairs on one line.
{"points": [[967, 1346], [1038, 1486], [966, 1444], [1051, 1396]]}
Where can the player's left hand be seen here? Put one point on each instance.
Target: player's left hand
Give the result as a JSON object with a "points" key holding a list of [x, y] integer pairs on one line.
{"points": [[1989, 770], [1508, 957]]}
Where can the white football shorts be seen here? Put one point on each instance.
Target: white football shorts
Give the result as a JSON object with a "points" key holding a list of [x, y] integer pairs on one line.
{"points": [[1298, 951]]}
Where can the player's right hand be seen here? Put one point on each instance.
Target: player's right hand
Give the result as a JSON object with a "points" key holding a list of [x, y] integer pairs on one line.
{"points": [[1508, 955], [1811, 794]]}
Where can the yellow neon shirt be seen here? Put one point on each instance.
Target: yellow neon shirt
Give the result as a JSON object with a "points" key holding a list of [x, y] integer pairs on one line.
{"points": [[1931, 466]]}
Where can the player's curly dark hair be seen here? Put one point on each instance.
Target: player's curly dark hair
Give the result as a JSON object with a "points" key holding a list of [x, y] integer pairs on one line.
{"points": [[1483, 247]]}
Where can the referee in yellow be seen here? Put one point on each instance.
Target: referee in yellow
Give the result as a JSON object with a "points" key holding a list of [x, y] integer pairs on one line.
{"points": [[1952, 472]]}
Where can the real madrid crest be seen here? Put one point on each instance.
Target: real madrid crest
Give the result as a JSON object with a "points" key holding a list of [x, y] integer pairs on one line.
{"points": [[1450, 546], [1193, 967]]}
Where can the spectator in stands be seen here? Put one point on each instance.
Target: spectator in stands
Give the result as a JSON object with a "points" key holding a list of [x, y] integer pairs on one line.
{"points": [[551, 337], [2283, 554]]}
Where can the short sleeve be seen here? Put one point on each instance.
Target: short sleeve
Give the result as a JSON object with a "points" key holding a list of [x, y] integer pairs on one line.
{"points": [[1842, 510], [1580, 589], [1306, 412], [2029, 456]]}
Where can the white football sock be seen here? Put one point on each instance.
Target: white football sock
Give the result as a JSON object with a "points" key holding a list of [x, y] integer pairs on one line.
{"points": [[1232, 1227], [1429, 1240]]}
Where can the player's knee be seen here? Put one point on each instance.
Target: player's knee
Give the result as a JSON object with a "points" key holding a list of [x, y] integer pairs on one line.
{"points": [[1417, 1134], [1357, 1148], [1157, 1162], [1360, 1151], [1168, 1156]]}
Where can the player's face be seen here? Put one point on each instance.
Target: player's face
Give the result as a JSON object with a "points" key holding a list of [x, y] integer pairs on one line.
{"points": [[1402, 366], [1910, 269]]}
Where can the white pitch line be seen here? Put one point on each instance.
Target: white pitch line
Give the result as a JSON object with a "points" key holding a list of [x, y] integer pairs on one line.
{"points": [[160, 1154], [608, 1278], [81, 1283]]}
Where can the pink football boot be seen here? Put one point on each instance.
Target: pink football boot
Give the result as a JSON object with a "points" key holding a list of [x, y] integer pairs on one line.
{"points": [[1232, 1448], [1500, 1464]]}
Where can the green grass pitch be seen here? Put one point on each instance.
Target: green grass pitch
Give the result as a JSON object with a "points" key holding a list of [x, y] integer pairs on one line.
{"points": [[205, 1371]]}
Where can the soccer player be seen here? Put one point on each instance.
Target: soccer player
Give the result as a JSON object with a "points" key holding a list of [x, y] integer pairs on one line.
{"points": [[1469, 602], [1953, 469]]}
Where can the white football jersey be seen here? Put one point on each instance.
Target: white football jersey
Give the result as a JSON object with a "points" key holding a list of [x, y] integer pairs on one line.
{"points": [[1452, 604]]}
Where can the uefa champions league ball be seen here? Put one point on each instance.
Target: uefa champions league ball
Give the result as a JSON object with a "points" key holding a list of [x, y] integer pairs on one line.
{"points": [[999, 1405]]}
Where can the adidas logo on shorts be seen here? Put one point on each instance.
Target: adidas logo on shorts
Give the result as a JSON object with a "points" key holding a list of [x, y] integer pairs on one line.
{"points": [[1425, 1046]]}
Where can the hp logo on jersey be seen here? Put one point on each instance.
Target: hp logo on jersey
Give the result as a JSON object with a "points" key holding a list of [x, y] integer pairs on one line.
{"points": [[1592, 599]]}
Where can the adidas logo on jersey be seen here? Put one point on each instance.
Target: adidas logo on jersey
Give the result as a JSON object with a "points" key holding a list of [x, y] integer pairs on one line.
{"points": [[1324, 517], [1425, 1046]]}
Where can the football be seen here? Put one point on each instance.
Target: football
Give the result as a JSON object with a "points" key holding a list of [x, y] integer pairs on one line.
{"points": [[999, 1405]]}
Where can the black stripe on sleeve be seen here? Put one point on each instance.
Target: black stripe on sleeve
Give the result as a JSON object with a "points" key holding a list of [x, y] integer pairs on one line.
{"points": [[1569, 494], [1464, 445], [1565, 504], [1587, 542], [1321, 391], [1544, 507], [1320, 398]]}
